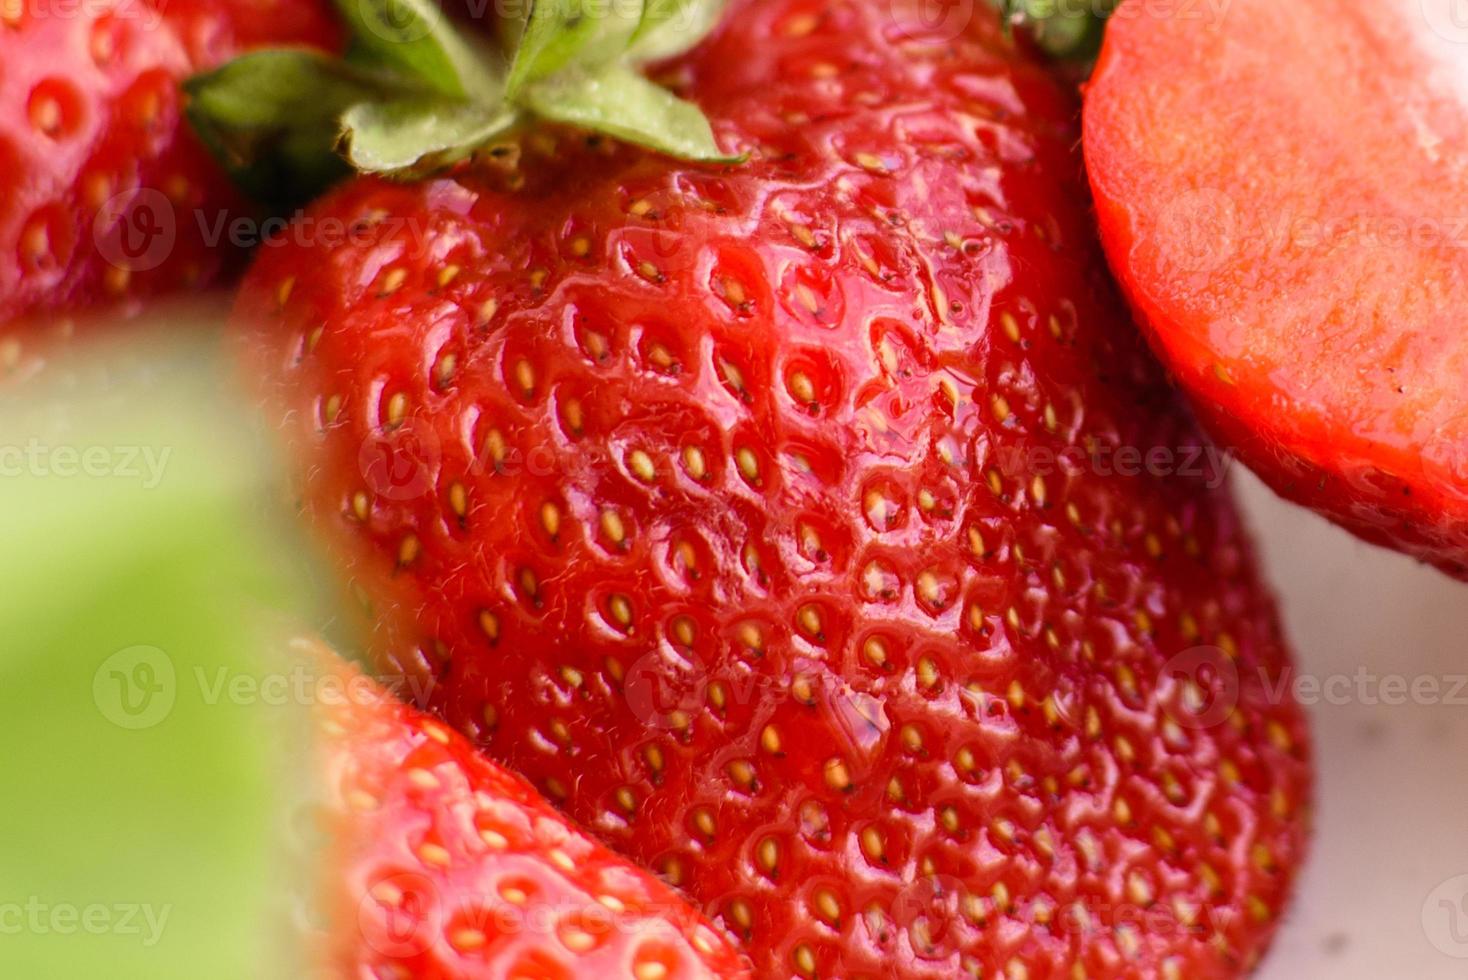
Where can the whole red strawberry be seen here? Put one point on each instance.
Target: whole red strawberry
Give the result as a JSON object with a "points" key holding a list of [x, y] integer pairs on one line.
{"points": [[106, 196], [816, 530], [440, 864]]}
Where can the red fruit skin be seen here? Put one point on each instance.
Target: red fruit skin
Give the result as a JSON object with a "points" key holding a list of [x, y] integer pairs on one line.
{"points": [[1298, 277], [443, 865], [768, 518], [108, 198]]}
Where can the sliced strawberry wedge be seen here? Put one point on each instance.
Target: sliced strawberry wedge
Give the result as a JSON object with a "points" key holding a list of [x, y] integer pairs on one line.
{"points": [[443, 865], [1283, 191]]}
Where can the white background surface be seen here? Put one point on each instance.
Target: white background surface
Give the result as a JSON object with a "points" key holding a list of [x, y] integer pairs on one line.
{"points": [[1391, 818]]}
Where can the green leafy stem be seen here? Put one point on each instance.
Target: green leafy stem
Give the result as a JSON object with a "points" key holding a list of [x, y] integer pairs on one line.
{"points": [[416, 91]]}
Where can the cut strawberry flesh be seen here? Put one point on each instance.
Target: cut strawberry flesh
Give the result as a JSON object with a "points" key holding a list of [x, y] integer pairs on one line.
{"points": [[1281, 189]]}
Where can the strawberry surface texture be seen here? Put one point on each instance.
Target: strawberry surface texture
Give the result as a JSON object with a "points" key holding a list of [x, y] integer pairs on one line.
{"points": [[815, 529], [441, 864]]}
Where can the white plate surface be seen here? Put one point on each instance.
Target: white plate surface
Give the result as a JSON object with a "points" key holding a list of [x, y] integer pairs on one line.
{"points": [[1385, 894]]}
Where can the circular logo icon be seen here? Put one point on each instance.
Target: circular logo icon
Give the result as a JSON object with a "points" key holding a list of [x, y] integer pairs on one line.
{"points": [[1198, 231], [661, 244], [136, 230], [1448, 19], [136, 687], [931, 20], [1205, 682], [1445, 917], [928, 910], [396, 23], [861, 726], [659, 693], [401, 464], [1445, 456], [399, 916]]}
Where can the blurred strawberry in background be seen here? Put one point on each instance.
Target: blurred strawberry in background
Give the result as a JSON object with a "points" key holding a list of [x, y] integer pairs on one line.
{"points": [[107, 197]]}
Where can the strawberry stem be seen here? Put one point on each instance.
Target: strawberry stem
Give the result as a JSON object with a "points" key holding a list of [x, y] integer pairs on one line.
{"points": [[417, 91]]}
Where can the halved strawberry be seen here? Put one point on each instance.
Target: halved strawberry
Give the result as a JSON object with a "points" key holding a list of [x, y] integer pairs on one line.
{"points": [[1282, 205], [107, 197], [816, 530]]}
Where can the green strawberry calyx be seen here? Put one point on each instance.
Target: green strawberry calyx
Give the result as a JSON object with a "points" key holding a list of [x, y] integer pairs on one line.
{"points": [[417, 91]]}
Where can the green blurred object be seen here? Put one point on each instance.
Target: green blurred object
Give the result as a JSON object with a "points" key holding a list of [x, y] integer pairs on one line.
{"points": [[1067, 30], [149, 781]]}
